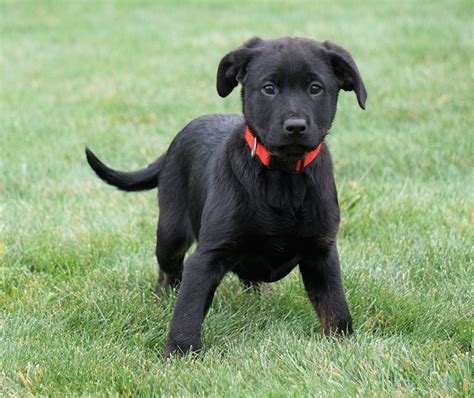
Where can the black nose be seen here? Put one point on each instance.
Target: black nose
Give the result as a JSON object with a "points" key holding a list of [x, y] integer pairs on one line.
{"points": [[295, 126]]}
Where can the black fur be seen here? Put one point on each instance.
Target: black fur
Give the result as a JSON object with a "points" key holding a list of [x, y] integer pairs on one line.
{"points": [[139, 180], [255, 222]]}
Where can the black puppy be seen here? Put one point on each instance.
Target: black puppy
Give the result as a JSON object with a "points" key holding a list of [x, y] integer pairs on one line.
{"points": [[257, 191]]}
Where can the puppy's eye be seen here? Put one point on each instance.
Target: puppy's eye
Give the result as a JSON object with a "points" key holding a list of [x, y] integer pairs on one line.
{"points": [[315, 89], [269, 89]]}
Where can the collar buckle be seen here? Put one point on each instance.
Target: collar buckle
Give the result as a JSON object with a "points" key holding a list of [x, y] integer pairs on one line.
{"points": [[253, 151]]}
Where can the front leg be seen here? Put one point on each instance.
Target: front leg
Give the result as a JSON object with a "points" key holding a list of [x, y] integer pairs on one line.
{"points": [[322, 280], [201, 275]]}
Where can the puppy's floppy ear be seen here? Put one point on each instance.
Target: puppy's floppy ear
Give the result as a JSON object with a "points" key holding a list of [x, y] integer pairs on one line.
{"points": [[346, 71], [233, 67]]}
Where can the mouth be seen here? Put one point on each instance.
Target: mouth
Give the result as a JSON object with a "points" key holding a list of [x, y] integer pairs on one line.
{"points": [[292, 151]]}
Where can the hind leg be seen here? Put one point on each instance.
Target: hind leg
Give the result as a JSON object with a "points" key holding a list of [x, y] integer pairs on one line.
{"points": [[174, 234], [174, 237], [173, 241]]}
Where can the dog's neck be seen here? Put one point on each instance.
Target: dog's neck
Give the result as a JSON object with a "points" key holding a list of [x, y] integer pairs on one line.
{"points": [[281, 190], [271, 161]]}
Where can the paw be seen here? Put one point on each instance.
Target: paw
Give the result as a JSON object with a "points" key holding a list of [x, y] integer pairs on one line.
{"points": [[163, 286], [181, 349], [338, 327]]}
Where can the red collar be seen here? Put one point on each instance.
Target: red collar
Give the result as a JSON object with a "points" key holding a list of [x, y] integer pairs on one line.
{"points": [[273, 162]]}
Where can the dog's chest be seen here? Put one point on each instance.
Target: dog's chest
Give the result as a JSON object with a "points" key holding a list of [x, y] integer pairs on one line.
{"points": [[265, 258], [274, 242]]}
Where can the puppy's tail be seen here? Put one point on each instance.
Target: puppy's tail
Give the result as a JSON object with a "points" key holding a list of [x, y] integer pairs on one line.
{"points": [[140, 180]]}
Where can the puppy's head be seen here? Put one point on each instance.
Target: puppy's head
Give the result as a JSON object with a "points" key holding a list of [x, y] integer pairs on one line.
{"points": [[289, 89]]}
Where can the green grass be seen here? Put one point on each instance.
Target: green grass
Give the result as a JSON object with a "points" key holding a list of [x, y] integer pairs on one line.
{"points": [[77, 265]]}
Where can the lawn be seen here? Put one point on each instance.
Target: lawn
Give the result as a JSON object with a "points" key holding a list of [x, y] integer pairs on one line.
{"points": [[77, 257]]}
